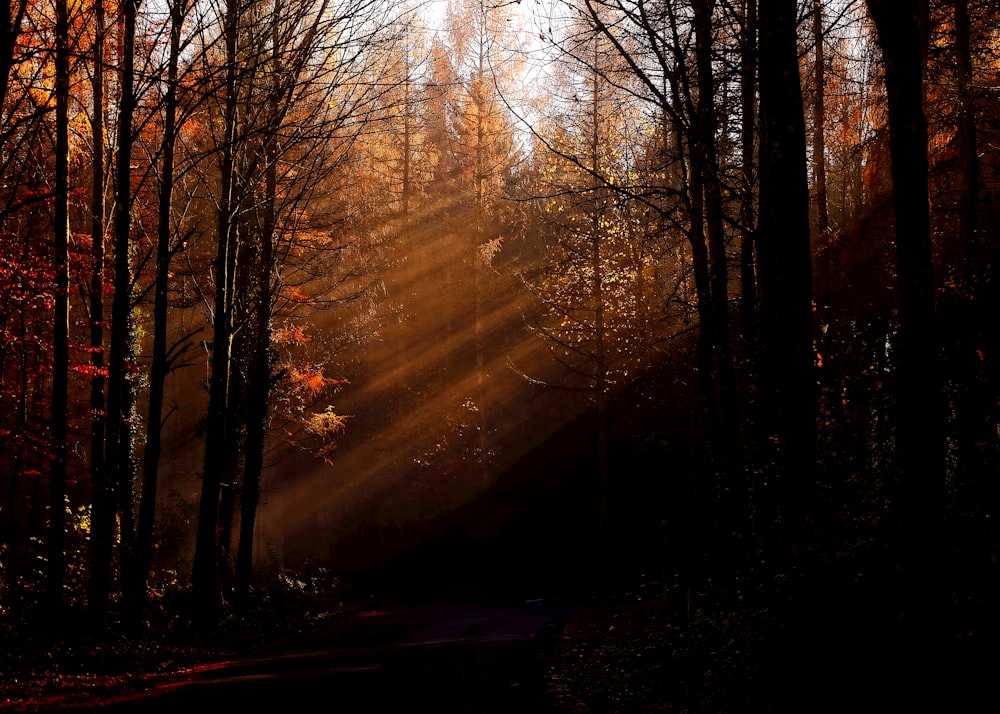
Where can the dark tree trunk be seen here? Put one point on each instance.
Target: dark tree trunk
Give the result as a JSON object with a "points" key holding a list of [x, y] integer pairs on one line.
{"points": [[966, 137], [235, 440], [126, 467], [819, 122], [205, 575], [261, 363], [693, 198], [98, 462], [257, 409], [787, 381], [920, 420], [60, 340], [823, 286], [14, 569], [705, 146], [748, 132], [118, 441], [600, 376], [920, 416], [706, 315], [135, 596], [976, 434]]}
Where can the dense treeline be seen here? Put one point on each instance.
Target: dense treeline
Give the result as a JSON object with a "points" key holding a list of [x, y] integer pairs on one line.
{"points": [[189, 189], [764, 231]]}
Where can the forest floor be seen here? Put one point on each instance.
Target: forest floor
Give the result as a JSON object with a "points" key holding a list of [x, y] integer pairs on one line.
{"points": [[609, 656], [658, 648], [671, 649], [45, 671]]}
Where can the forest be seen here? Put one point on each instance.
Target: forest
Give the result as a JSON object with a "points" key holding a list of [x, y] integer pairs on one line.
{"points": [[489, 296]]}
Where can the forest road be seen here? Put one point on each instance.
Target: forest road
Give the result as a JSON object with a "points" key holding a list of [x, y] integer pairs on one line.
{"points": [[448, 658]]}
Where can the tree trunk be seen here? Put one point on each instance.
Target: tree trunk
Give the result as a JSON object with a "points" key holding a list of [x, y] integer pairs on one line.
{"points": [[787, 382], [229, 492], [135, 596], [118, 432], [819, 122], [705, 123], [703, 298], [479, 237], [205, 576], [748, 104], [407, 178], [60, 340], [976, 434], [823, 287], [920, 416], [261, 361], [920, 421], [257, 409], [98, 463]]}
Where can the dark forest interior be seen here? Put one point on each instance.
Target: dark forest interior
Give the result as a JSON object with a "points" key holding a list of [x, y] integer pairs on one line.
{"points": [[680, 313]]}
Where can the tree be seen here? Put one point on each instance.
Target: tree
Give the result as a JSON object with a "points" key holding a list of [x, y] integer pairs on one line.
{"points": [[290, 90], [748, 134], [163, 357], [666, 50], [593, 281], [705, 164], [819, 182], [920, 411], [787, 381], [205, 578], [292, 42], [477, 156], [399, 130], [60, 339], [27, 280], [98, 463], [442, 86], [113, 495], [10, 32], [970, 292]]}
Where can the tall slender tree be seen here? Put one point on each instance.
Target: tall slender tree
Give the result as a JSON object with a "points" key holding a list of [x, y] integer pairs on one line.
{"points": [[484, 156], [117, 480], [901, 29], [60, 340], [920, 424], [668, 49], [592, 282], [167, 245], [292, 100], [705, 161], [206, 586], [98, 228], [787, 389], [748, 136]]}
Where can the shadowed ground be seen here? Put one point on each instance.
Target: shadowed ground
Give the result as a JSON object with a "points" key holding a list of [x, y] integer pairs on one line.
{"points": [[430, 658]]}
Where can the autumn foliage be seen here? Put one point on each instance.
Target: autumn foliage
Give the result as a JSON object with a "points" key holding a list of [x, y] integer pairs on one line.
{"points": [[372, 262]]}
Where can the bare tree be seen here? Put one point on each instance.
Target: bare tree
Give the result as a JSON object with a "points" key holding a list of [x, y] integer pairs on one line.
{"points": [[292, 88], [901, 30], [98, 229], [787, 382], [60, 340], [666, 51], [163, 356]]}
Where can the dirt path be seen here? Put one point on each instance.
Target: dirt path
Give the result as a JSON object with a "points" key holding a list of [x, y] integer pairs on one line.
{"points": [[478, 658]]}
